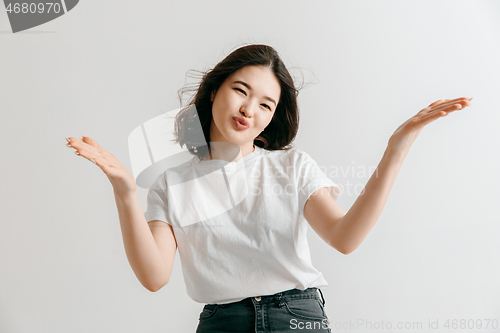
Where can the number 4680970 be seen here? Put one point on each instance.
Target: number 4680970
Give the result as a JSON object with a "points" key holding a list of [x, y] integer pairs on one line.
{"points": [[32, 8]]}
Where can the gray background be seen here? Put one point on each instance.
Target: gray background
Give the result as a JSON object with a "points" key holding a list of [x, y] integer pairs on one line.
{"points": [[106, 67]]}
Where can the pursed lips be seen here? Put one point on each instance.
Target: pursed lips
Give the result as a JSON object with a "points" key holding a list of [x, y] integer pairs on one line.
{"points": [[242, 121]]}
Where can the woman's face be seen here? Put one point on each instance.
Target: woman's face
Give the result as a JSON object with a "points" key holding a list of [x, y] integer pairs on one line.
{"points": [[251, 93]]}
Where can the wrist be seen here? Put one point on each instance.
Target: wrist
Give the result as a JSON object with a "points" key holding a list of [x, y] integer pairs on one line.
{"points": [[398, 155], [125, 196]]}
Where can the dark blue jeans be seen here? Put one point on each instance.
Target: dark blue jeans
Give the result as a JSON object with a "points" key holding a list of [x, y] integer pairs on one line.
{"points": [[293, 310]]}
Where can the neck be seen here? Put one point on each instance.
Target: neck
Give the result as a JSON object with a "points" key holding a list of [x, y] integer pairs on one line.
{"points": [[231, 153]]}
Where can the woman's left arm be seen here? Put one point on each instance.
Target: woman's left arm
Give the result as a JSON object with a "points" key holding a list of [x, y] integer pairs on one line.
{"points": [[351, 230]]}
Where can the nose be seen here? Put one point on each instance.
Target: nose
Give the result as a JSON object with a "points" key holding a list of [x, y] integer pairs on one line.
{"points": [[247, 109]]}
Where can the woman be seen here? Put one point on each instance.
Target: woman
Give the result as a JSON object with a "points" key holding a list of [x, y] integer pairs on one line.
{"points": [[250, 262]]}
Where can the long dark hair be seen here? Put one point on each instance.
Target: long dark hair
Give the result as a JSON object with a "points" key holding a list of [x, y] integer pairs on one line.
{"points": [[282, 129]]}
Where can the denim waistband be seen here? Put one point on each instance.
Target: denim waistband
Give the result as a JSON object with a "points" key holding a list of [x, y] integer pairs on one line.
{"points": [[283, 296]]}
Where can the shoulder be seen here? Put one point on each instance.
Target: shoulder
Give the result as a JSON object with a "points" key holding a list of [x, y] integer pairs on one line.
{"points": [[171, 174]]}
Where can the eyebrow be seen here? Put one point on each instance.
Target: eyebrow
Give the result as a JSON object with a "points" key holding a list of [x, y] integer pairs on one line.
{"points": [[248, 86]]}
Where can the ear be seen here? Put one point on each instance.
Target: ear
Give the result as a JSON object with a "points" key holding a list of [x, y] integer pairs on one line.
{"points": [[212, 95]]}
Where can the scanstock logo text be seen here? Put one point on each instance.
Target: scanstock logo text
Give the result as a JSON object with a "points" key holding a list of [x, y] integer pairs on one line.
{"points": [[24, 15]]}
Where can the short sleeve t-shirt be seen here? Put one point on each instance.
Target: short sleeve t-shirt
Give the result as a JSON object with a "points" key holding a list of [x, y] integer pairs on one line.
{"points": [[239, 226]]}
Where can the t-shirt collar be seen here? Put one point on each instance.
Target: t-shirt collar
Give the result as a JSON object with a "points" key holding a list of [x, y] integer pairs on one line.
{"points": [[220, 163]]}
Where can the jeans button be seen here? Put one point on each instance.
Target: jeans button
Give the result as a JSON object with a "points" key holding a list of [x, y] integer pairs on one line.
{"points": [[258, 298]]}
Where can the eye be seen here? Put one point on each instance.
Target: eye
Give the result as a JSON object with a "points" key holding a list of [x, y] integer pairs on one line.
{"points": [[238, 89]]}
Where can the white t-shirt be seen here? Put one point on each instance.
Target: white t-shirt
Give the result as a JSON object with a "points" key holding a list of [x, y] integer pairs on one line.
{"points": [[239, 226]]}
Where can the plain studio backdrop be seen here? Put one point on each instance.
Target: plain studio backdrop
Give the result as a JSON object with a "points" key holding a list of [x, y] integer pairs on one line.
{"points": [[106, 67]]}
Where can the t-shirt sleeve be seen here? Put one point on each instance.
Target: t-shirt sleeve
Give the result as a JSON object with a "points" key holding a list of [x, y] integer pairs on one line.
{"points": [[157, 204], [310, 177]]}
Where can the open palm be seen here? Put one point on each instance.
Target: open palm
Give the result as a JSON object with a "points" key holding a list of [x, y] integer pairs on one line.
{"points": [[117, 174], [404, 136]]}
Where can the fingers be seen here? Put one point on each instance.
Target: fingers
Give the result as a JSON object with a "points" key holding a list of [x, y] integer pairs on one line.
{"points": [[80, 150], [446, 105], [441, 112], [441, 104], [440, 109], [451, 106]]}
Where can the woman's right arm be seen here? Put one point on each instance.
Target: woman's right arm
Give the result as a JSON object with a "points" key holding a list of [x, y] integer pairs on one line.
{"points": [[150, 249]]}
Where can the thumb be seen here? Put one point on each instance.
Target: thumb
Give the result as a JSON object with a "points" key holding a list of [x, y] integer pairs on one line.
{"points": [[90, 141], [436, 102]]}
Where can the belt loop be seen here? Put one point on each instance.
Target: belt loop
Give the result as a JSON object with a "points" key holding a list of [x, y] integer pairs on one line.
{"points": [[322, 297], [278, 300]]}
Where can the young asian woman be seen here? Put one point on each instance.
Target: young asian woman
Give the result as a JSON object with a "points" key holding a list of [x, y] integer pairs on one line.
{"points": [[251, 265]]}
